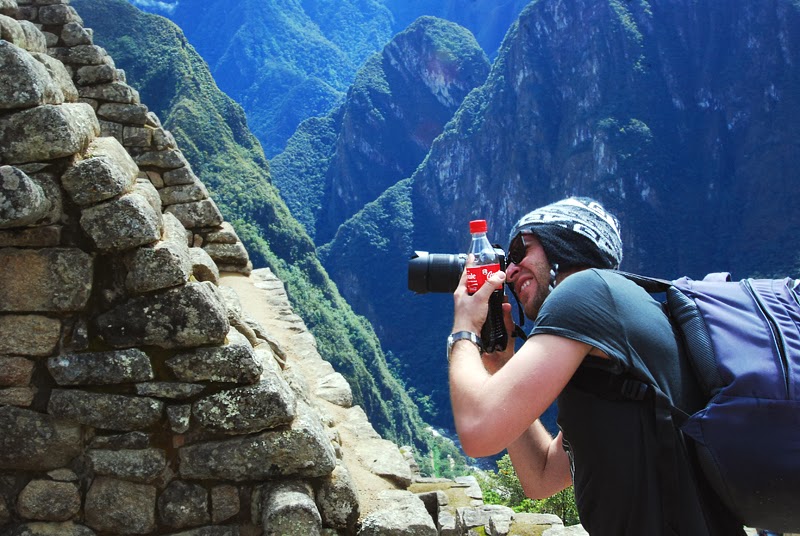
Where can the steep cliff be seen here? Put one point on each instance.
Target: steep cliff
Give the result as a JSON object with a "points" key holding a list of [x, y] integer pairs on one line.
{"points": [[398, 104], [308, 52], [682, 117]]}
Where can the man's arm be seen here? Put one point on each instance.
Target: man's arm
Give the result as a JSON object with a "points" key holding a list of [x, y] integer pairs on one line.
{"points": [[542, 465], [497, 405]]}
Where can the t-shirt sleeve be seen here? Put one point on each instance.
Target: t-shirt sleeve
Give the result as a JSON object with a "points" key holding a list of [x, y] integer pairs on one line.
{"points": [[582, 308]]}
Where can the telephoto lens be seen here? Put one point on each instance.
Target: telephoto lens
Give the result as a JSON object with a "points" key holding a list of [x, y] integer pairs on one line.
{"points": [[435, 272]]}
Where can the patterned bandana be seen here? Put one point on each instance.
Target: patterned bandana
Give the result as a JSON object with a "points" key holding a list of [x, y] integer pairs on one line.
{"points": [[575, 232]]}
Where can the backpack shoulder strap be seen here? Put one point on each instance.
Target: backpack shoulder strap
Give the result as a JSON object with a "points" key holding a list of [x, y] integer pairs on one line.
{"points": [[650, 284]]}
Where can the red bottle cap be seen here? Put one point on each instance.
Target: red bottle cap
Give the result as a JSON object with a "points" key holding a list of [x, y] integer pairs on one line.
{"points": [[477, 226]]}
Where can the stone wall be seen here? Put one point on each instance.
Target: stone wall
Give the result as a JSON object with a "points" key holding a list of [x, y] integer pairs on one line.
{"points": [[135, 398]]}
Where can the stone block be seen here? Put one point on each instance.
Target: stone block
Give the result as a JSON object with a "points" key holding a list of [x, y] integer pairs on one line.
{"points": [[33, 441], [197, 214], [227, 254], [224, 503], [15, 371], [233, 362], [303, 451], [46, 132], [203, 266], [137, 136], [55, 280], [182, 317], [398, 512], [49, 528], [169, 390], [244, 410], [79, 55], [95, 74], [32, 237], [183, 193], [225, 234], [111, 92], [101, 368], [22, 200], [11, 31], [163, 159], [107, 171], [135, 465], [17, 396], [179, 418], [34, 40], [337, 499], [105, 411], [288, 508], [24, 81], [46, 500], [182, 175], [29, 335], [73, 33], [60, 76], [119, 507], [166, 264], [183, 504], [127, 114], [123, 223], [58, 14]]}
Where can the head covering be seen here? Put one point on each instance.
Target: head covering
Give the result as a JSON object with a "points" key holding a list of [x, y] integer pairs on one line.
{"points": [[575, 232]]}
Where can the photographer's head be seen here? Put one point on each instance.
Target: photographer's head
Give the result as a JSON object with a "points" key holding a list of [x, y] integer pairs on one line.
{"points": [[560, 238]]}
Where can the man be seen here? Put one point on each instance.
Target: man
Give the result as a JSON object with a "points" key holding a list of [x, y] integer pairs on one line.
{"points": [[584, 319]]}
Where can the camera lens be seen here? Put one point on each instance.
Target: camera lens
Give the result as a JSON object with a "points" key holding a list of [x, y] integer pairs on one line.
{"points": [[435, 272]]}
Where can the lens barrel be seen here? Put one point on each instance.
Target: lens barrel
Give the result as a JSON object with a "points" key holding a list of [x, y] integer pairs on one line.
{"points": [[435, 272]]}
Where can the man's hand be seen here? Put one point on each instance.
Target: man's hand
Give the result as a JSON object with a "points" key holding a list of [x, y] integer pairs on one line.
{"points": [[470, 310], [495, 361]]}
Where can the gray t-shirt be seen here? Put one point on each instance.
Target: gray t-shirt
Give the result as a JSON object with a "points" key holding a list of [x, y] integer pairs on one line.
{"points": [[612, 443]]}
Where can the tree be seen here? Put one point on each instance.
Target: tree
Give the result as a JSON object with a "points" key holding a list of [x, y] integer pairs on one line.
{"points": [[503, 487]]}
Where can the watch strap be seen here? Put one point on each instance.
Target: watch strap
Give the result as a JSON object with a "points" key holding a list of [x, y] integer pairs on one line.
{"points": [[461, 335]]}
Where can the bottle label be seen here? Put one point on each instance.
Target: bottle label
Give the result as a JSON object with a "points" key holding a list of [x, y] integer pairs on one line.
{"points": [[477, 276]]}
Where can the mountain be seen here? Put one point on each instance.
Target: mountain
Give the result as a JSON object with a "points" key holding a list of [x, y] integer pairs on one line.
{"points": [[683, 117], [399, 102], [213, 134], [286, 61]]}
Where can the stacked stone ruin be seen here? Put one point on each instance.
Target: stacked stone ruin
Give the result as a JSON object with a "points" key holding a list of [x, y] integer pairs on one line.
{"points": [[133, 398], [136, 394]]}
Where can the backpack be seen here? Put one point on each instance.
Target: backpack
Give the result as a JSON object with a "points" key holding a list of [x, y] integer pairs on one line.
{"points": [[743, 342]]}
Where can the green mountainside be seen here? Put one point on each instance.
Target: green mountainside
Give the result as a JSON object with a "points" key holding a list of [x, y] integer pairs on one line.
{"points": [[286, 61], [212, 132], [283, 61], [399, 102], [683, 117]]}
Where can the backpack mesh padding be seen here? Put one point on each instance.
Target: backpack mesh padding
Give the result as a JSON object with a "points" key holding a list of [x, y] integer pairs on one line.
{"points": [[696, 340]]}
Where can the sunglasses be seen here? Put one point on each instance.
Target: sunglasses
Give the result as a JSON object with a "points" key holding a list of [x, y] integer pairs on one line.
{"points": [[517, 249]]}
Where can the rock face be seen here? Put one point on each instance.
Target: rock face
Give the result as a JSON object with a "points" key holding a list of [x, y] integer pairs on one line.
{"points": [[399, 102]]}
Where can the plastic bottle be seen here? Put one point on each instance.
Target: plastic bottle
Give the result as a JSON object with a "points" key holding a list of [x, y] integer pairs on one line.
{"points": [[486, 260]]}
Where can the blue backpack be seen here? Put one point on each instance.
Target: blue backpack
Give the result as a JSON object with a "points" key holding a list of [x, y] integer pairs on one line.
{"points": [[743, 341]]}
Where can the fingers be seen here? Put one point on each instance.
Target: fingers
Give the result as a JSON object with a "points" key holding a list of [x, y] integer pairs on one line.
{"points": [[494, 282], [462, 282]]}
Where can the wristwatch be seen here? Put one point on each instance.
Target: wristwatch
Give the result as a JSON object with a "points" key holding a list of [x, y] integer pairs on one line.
{"points": [[458, 335]]}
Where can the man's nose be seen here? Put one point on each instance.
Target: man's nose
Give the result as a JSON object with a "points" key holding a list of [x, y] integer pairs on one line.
{"points": [[511, 272]]}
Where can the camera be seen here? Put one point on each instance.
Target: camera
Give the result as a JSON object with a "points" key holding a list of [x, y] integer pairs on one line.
{"points": [[441, 272]]}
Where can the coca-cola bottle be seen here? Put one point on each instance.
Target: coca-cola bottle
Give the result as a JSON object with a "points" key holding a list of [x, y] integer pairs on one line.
{"points": [[486, 262]]}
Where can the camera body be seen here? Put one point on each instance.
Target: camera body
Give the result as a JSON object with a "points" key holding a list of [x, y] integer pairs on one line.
{"points": [[441, 272]]}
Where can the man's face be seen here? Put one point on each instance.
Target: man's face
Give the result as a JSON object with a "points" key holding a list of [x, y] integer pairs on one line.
{"points": [[530, 276]]}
